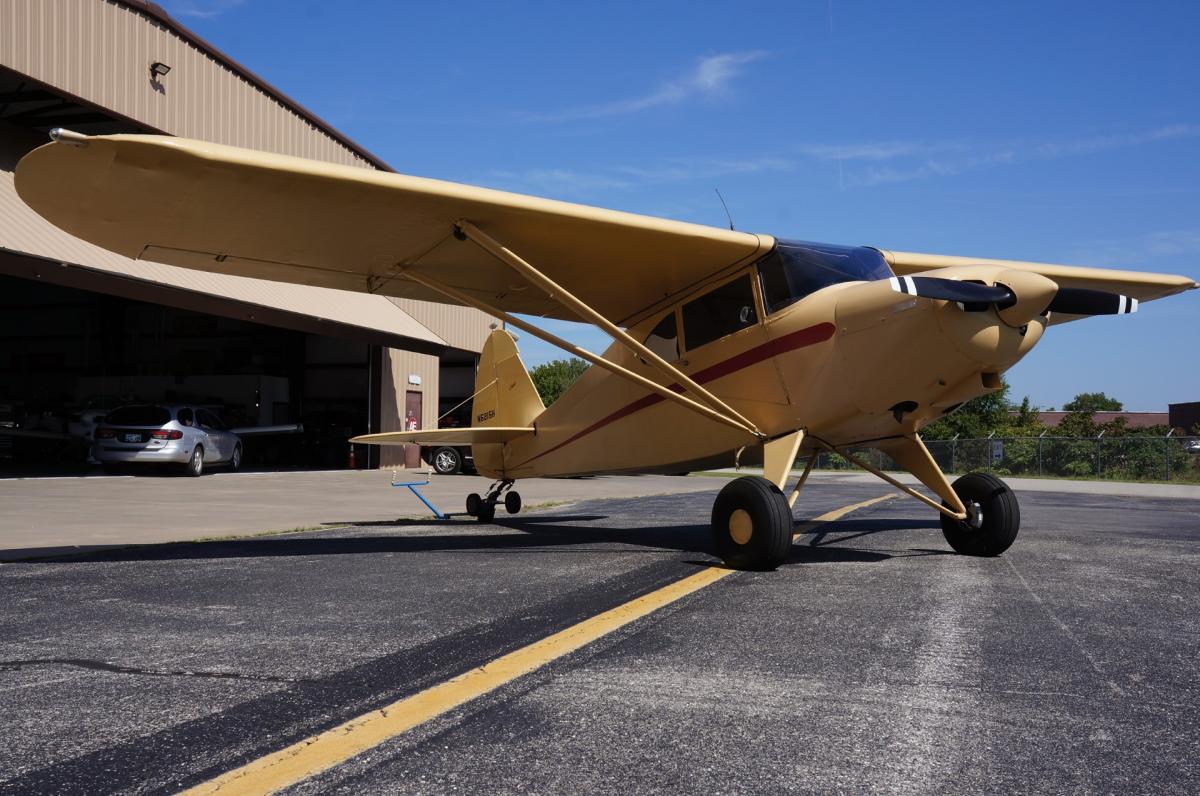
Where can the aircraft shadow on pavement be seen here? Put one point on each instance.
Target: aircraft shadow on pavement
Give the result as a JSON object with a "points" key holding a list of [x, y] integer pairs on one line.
{"points": [[540, 533]]}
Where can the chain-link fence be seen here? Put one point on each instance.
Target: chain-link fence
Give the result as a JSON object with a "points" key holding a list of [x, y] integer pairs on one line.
{"points": [[1131, 458]]}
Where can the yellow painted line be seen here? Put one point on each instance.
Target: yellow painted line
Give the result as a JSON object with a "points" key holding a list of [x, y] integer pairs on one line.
{"points": [[320, 752], [837, 514]]}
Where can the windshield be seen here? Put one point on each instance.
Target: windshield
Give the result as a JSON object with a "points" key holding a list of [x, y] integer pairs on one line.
{"points": [[794, 269]]}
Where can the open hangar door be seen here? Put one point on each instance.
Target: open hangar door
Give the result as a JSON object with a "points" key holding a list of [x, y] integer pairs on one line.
{"points": [[68, 355]]}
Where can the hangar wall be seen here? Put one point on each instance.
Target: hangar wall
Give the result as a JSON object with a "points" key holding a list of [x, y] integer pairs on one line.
{"points": [[101, 50], [90, 60]]}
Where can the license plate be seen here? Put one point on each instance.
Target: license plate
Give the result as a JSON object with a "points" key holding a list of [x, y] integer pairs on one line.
{"points": [[131, 437]]}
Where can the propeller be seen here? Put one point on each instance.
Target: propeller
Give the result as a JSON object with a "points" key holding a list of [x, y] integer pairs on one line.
{"points": [[952, 290], [975, 296], [1081, 301]]}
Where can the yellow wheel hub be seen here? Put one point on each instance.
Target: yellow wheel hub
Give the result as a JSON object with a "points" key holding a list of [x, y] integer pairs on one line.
{"points": [[741, 527]]}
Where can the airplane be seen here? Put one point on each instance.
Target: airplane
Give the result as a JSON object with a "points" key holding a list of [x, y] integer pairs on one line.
{"points": [[729, 348]]}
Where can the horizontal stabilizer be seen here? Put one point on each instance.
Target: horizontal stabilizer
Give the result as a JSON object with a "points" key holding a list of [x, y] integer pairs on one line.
{"points": [[445, 436]]}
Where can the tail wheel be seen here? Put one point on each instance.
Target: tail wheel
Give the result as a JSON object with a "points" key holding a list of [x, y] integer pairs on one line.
{"points": [[993, 516], [195, 462], [752, 524]]}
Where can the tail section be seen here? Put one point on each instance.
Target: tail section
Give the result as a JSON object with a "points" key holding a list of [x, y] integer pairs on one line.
{"points": [[504, 396]]}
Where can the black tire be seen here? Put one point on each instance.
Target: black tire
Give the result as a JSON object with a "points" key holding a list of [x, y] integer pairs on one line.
{"points": [[993, 532], [760, 536], [235, 461], [512, 502], [487, 512], [474, 502], [195, 463], [446, 461]]}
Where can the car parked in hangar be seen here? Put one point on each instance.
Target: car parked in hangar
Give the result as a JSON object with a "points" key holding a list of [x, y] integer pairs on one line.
{"points": [[188, 436], [448, 460]]}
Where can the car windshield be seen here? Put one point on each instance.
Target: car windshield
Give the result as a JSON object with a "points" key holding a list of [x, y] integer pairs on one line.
{"points": [[139, 415], [794, 269]]}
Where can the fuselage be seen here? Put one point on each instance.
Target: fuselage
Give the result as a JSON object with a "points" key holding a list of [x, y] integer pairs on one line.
{"points": [[851, 361]]}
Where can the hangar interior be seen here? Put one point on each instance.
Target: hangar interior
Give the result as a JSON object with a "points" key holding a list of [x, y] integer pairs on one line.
{"points": [[83, 330]]}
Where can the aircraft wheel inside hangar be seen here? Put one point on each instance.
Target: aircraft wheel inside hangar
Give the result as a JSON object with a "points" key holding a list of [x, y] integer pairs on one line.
{"points": [[995, 516], [752, 524]]}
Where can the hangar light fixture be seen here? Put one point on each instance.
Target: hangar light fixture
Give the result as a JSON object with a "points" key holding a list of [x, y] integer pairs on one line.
{"points": [[158, 69]]}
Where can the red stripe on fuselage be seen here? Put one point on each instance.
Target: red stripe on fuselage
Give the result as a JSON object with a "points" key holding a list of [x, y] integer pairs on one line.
{"points": [[811, 335]]}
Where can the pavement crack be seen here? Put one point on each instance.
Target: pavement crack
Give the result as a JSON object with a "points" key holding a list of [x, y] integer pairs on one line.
{"points": [[102, 666], [1065, 629]]}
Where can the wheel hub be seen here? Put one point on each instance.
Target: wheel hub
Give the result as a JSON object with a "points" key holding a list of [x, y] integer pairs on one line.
{"points": [[741, 527], [974, 515]]}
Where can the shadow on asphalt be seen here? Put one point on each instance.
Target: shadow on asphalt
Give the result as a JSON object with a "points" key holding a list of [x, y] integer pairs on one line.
{"points": [[539, 532]]}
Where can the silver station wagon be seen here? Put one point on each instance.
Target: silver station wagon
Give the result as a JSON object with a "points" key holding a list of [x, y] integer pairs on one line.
{"points": [[190, 436]]}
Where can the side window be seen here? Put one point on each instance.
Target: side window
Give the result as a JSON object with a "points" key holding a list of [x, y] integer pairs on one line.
{"points": [[209, 420], [664, 340], [185, 417], [728, 309]]}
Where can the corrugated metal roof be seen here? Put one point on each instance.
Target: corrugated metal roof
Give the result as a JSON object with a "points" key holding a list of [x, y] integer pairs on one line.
{"points": [[22, 230]]}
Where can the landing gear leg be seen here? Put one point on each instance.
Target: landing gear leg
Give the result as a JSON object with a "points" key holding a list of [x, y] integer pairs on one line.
{"points": [[484, 508]]}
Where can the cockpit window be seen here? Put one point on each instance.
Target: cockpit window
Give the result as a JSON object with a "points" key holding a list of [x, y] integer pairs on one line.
{"points": [[664, 340], [795, 269], [728, 309]]}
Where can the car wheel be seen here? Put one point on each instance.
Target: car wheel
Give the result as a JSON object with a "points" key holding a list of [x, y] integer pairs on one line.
{"points": [[447, 461], [195, 463], [235, 461]]}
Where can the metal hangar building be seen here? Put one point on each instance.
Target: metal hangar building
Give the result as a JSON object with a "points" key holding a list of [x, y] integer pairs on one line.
{"points": [[84, 328]]}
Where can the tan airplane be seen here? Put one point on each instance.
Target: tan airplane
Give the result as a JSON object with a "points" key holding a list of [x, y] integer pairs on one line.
{"points": [[729, 347]]}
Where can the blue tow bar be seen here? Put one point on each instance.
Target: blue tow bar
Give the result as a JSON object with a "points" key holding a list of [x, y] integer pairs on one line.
{"points": [[412, 487]]}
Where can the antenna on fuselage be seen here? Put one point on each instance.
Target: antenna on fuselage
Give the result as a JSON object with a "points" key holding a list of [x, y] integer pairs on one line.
{"points": [[722, 198]]}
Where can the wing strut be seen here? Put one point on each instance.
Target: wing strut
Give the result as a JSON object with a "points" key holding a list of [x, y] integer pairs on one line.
{"points": [[571, 348], [567, 299]]}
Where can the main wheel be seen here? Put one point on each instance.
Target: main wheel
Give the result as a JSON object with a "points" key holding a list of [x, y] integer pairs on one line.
{"points": [[447, 461], [487, 512], [512, 502], [474, 501], [993, 516], [195, 463], [752, 524]]}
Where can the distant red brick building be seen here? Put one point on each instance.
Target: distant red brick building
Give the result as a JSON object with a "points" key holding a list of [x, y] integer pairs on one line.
{"points": [[1132, 419]]}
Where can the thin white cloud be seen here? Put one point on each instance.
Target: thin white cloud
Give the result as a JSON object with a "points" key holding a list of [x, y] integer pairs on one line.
{"points": [[861, 165], [956, 158], [202, 9], [1135, 250], [710, 77]]}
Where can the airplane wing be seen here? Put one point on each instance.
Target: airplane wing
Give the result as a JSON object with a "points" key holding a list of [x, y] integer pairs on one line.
{"points": [[248, 213], [1141, 285], [445, 436]]}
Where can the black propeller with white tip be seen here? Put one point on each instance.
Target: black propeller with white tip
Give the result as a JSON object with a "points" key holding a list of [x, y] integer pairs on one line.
{"points": [[951, 290], [1081, 301], [1067, 300]]}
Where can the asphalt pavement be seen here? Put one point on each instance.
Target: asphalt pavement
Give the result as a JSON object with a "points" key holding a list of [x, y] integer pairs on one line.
{"points": [[875, 660]]}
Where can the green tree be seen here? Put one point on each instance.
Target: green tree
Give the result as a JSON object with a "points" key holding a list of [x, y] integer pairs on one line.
{"points": [[976, 418], [553, 378], [1093, 402]]}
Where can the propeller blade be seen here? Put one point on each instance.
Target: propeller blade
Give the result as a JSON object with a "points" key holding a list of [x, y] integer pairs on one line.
{"points": [[951, 290], [1081, 301]]}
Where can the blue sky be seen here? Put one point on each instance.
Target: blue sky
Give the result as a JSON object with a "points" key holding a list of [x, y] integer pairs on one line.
{"points": [[1056, 131]]}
